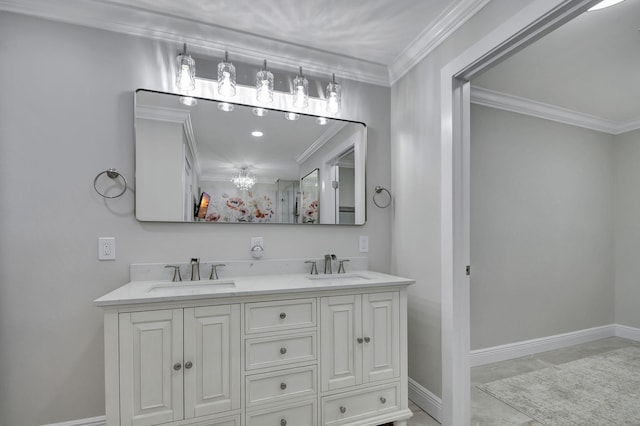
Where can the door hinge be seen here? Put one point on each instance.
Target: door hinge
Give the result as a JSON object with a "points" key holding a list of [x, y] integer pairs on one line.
{"points": [[468, 270]]}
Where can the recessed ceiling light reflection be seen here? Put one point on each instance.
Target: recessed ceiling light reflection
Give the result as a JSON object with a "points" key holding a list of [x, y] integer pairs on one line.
{"points": [[322, 120], [225, 106], [291, 116], [260, 112], [257, 133]]}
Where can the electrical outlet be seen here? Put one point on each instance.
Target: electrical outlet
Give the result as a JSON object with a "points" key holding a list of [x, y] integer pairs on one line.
{"points": [[256, 241], [106, 248], [364, 244]]}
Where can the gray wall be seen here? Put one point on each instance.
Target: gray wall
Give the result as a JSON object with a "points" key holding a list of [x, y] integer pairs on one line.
{"points": [[627, 228], [542, 236], [66, 113], [415, 162]]}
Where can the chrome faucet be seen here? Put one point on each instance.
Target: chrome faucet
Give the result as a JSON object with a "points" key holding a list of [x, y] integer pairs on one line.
{"points": [[328, 258], [195, 269]]}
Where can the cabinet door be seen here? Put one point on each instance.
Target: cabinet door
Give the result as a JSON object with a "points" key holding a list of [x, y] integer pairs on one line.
{"points": [[212, 359], [381, 332], [150, 386], [341, 319]]}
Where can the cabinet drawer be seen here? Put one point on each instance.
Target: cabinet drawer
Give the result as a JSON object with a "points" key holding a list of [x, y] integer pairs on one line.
{"points": [[301, 414], [354, 406], [228, 421], [279, 350], [279, 315], [281, 385]]}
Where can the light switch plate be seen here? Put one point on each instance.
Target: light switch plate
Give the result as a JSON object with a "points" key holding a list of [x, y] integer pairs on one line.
{"points": [[364, 244]]}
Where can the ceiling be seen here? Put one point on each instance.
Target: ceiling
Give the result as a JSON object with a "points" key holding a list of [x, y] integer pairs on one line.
{"points": [[586, 69], [589, 66]]}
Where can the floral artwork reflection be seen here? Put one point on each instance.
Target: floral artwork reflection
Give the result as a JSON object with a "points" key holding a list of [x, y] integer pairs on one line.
{"points": [[247, 206]]}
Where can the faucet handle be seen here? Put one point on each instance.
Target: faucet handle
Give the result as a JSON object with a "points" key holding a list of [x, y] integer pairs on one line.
{"points": [[341, 266], [314, 266], [176, 273], [214, 271]]}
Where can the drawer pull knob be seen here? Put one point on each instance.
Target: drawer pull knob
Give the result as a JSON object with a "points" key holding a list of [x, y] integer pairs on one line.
{"points": [[283, 422], [177, 366], [343, 409], [283, 386], [359, 339], [383, 399], [367, 339], [283, 351], [188, 365], [283, 315]]}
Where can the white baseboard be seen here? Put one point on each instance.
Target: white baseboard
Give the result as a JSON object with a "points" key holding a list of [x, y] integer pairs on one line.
{"points": [[93, 421], [628, 332], [424, 399]]}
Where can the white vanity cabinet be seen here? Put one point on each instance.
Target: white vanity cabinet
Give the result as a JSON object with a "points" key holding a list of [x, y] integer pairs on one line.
{"points": [[323, 353], [178, 364]]}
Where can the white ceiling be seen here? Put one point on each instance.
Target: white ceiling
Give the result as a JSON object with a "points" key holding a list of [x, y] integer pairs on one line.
{"points": [[589, 66]]}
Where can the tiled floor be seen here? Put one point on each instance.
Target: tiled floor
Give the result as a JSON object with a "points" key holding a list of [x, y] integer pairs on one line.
{"points": [[488, 411]]}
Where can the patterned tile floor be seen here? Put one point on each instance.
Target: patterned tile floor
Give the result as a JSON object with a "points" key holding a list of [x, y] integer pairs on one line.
{"points": [[489, 411]]}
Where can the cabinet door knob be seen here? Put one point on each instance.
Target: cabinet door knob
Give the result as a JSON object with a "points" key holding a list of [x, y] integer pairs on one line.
{"points": [[283, 422], [283, 315], [343, 409], [188, 365], [359, 339], [367, 339], [177, 366], [283, 351], [283, 386], [383, 399]]}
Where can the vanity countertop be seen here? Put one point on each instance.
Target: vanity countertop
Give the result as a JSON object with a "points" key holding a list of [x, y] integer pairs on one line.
{"points": [[136, 292]]}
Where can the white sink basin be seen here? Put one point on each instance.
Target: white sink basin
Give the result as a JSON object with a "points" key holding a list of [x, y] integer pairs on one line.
{"points": [[191, 287], [337, 277]]}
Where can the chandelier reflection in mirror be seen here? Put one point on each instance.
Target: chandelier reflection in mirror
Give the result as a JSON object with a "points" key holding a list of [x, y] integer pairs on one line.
{"points": [[264, 85], [243, 180]]}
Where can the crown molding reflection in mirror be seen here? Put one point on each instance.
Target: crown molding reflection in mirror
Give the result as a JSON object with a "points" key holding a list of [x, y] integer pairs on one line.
{"points": [[186, 157]]}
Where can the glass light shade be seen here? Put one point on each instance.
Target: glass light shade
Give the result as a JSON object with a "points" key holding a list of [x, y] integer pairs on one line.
{"points": [[322, 121], [300, 91], [260, 112], [226, 78], [243, 180], [188, 100], [186, 71], [225, 106], [291, 116], [333, 95], [264, 85]]}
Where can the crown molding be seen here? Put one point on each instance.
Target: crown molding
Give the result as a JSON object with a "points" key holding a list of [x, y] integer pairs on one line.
{"points": [[506, 102], [325, 137], [202, 38], [431, 37]]}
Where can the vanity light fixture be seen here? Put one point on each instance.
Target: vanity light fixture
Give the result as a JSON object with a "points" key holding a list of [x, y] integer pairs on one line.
{"points": [[291, 116], [322, 121], [334, 96], [186, 71], [264, 85], [188, 100], [226, 77], [225, 106], [243, 180], [260, 112], [300, 91], [605, 3]]}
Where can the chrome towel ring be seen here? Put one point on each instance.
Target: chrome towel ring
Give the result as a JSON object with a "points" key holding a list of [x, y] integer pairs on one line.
{"points": [[113, 174], [378, 190]]}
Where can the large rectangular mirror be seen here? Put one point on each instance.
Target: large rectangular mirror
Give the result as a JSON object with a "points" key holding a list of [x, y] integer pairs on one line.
{"points": [[218, 162]]}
